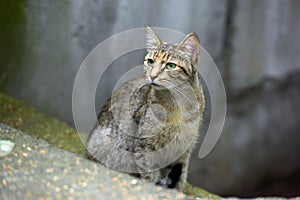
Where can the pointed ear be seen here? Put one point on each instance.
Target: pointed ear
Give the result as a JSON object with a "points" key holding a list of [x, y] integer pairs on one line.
{"points": [[152, 40], [190, 45]]}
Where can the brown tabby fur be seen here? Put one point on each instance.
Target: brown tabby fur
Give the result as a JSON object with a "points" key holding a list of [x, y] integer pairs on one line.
{"points": [[149, 126]]}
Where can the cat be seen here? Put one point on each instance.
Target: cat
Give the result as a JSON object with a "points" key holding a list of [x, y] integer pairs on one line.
{"points": [[149, 126]]}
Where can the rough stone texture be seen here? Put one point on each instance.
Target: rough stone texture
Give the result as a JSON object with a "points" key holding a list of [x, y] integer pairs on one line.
{"points": [[36, 170], [19, 115]]}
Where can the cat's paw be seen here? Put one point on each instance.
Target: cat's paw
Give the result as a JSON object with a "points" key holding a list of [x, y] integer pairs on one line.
{"points": [[166, 182], [173, 178]]}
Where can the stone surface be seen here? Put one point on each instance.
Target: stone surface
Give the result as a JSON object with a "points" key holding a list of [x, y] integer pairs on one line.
{"points": [[36, 170], [19, 115]]}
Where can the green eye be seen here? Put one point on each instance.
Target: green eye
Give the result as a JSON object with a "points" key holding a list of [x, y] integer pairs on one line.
{"points": [[171, 65], [150, 62]]}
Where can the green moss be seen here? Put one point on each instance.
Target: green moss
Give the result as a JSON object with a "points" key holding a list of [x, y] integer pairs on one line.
{"points": [[12, 40], [27, 119], [198, 192]]}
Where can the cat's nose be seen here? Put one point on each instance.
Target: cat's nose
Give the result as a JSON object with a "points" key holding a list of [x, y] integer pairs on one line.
{"points": [[153, 76], [154, 73]]}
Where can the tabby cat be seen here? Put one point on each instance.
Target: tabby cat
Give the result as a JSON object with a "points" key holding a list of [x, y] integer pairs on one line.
{"points": [[149, 126]]}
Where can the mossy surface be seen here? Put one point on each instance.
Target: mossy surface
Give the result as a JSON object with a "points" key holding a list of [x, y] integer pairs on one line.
{"points": [[27, 119], [13, 43], [198, 192], [17, 114]]}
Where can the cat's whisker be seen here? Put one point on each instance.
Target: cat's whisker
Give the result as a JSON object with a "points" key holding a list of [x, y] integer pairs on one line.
{"points": [[142, 83], [173, 87]]}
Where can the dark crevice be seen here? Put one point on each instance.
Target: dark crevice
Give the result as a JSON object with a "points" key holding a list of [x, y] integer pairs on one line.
{"points": [[268, 83], [227, 42]]}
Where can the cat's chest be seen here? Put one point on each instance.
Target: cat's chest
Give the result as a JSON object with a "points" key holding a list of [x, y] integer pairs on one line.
{"points": [[142, 112], [160, 121], [162, 133]]}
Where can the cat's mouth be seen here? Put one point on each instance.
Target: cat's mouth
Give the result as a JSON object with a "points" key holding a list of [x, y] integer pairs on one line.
{"points": [[157, 86]]}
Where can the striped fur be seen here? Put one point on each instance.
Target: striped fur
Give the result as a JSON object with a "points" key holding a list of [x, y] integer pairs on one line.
{"points": [[149, 126]]}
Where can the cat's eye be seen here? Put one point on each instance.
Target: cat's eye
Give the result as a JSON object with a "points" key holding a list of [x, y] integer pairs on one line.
{"points": [[150, 62], [171, 65]]}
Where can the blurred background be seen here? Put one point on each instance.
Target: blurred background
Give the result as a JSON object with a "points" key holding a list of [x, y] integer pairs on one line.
{"points": [[255, 44]]}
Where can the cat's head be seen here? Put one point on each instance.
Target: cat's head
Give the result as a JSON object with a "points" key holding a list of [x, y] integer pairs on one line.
{"points": [[168, 65]]}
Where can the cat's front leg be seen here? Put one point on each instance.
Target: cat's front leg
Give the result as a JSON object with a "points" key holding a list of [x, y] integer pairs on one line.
{"points": [[176, 173], [183, 161], [153, 176], [145, 168], [173, 176]]}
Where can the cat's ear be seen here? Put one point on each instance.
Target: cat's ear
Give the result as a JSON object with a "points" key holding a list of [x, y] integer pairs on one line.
{"points": [[190, 45], [152, 40]]}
